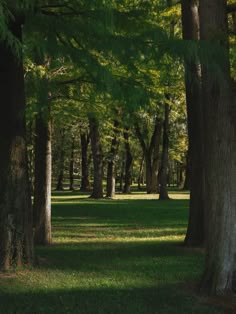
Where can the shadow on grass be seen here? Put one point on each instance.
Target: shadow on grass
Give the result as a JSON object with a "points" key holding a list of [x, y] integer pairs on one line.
{"points": [[150, 260], [165, 299]]}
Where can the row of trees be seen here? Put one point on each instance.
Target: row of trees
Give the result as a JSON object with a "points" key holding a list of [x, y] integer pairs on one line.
{"points": [[121, 63], [129, 155]]}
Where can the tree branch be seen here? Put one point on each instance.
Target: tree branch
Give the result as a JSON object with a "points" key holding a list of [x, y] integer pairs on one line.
{"points": [[73, 81]]}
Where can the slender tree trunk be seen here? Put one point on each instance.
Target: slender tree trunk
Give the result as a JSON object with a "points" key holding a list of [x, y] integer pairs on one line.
{"points": [[43, 172], [152, 157], [60, 179], [149, 175], [16, 241], [128, 164], [140, 177], [195, 231], [85, 184], [220, 151], [122, 173], [30, 154], [111, 175], [72, 164], [97, 158], [164, 158]]}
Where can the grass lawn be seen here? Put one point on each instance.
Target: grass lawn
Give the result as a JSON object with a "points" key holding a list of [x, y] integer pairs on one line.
{"points": [[111, 256]]}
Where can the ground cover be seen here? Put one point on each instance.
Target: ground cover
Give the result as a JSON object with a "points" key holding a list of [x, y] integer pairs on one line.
{"points": [[111, 256]]}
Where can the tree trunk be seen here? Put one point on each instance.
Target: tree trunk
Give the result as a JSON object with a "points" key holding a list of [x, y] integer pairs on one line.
{"points": [[122, 172], [85, 184], [97, 158], [30, 155], [151, 184], [128, 164], [111, 176], [195, 231], [16, 241], [164, 157], [43, 172], [220, 151], [72, 164], [60, 180], [152, 157], [186, 186], [141, 176]]}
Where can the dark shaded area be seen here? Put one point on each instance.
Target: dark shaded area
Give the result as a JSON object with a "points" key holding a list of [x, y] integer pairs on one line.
{"points": [[130, 301]]}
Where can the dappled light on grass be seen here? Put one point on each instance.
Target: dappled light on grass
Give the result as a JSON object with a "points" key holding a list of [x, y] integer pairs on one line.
{"points": [[69, 197], [110, 256]]}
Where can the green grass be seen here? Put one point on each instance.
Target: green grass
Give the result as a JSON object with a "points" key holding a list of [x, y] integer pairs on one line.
{"points": [[110, 256]]}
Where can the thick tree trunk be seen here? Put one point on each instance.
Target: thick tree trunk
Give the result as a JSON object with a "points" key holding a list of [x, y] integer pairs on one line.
{"points": [[195, 231], [111, 174], [164, 157], [42, 186], [186, 186], [72, 164], [220, 151], [61, 165], [128, 164], [85, 183], [16, 241], [97, 158]]}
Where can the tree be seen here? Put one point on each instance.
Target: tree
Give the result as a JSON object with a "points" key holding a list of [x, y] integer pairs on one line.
{"points": [[97, 157], [190, 25], [43, 173], [151, 154], [85, 184], [128, 163], [111, 176], [164, 157], [16, 242], [219, 110], [72, 164], [61, 163]]}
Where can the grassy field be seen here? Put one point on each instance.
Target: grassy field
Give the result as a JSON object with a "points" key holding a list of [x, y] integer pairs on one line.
{"points": [[111, 256]]}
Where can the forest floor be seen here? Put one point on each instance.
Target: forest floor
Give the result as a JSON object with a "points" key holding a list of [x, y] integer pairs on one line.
{"points": [[111, 256]]}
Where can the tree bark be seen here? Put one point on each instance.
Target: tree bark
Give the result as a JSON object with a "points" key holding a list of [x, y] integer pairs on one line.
{"points": [[43, 173], [85, 183], [128, 164], [111, 175], [164, 157], [30, 154], [152, 158], [72, 164], [195, 231], [16, 241], [186, 186], [60, 179], [220, 151], [97, 158]]}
